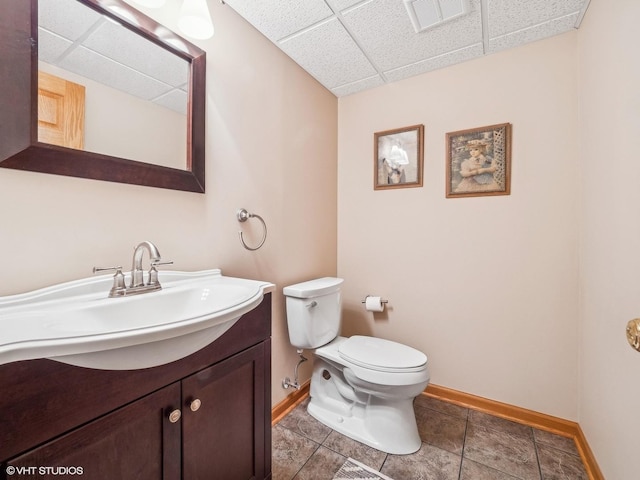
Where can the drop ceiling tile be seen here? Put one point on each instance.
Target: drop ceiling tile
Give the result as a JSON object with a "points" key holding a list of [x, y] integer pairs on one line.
{"points": [[340, 5], [506, 16], [86, 62], [130, 49], [537, 32], [329, 54], [277, 19], [385, 32], [434, 63], [175, 100], [358, 86], [66, 18], [51, 46]]}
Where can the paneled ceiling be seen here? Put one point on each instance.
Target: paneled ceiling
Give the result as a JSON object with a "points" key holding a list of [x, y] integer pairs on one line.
{"points": [[353, 45]]}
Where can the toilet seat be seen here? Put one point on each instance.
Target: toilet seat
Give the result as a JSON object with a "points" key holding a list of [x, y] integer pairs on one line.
{"points": [[382, 355], [380, 375]]}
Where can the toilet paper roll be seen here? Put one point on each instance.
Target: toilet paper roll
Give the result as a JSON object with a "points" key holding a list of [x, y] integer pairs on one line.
{"points": [[374, 304]]}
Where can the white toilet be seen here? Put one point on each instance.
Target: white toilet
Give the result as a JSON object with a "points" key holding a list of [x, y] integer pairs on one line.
{"points": [[363, 387]]}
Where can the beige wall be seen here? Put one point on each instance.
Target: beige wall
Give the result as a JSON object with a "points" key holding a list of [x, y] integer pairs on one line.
{"points": [[610, 120], [486, 286], [271, 148]]}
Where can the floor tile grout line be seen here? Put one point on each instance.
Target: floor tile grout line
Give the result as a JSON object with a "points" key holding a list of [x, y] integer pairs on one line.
{"points": [[464, 441], [386, 457], [307, 460], [535, 446]]}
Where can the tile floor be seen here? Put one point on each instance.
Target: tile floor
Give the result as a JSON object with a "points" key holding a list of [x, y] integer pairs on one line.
{"points": [[457, 444]]}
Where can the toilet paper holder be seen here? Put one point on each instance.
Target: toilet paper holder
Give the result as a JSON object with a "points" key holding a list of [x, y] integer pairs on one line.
{"points": [[381, 301]]}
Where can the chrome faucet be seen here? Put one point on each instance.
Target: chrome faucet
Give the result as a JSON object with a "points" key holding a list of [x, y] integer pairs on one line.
{"points": [[137, 284]]}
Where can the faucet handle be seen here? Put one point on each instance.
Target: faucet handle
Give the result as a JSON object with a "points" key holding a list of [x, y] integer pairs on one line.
{"points": [[118, 279], [107, 269], [153, 272], [155, 264]]}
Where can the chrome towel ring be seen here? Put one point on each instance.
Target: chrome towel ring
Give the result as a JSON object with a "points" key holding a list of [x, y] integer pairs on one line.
{"points": [[243, 216]]}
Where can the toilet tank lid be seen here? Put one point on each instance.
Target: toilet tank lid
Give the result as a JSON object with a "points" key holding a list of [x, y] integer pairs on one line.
{"points": [[313, 288]]}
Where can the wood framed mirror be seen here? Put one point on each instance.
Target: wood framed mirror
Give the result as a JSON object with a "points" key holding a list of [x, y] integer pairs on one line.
{"points": [[22, 149]]}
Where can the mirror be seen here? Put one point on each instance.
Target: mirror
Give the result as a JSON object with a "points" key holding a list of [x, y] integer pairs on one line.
{"points": [[98, 81], [179, 72]]}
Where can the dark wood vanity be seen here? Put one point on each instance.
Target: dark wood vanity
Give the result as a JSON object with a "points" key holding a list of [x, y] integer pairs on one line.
{"points": [[206, 416]]}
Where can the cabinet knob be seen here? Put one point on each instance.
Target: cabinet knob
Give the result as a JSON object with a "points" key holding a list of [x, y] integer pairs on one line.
{"points": [[195, 405], [175, 416]]}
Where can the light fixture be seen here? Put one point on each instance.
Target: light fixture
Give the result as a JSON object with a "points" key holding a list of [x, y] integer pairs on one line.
{"points": [[151, 3], [194, 20]]}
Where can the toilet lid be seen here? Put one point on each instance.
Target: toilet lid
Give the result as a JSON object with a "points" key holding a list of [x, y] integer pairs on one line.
{"points": [[379, 354]]}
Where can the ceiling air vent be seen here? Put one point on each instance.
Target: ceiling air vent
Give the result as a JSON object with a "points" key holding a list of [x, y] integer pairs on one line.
{"points": [[427, 14]]}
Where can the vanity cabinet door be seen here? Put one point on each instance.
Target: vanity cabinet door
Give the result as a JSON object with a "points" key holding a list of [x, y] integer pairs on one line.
{"points": [[224, 423], [137, 441]]}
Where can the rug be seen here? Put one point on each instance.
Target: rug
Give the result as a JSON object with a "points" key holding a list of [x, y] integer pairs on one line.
{"points": [[354, 470]]}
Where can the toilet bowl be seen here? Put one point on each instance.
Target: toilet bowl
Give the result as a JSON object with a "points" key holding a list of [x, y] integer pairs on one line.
{"points": [[362, 387]]}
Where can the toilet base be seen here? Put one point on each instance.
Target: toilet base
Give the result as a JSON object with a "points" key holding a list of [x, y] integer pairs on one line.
{"points": [[396, 442], [386, 424]]}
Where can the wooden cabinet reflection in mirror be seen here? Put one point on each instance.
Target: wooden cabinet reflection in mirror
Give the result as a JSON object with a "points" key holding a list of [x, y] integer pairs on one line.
{"points": [[60, 111]]}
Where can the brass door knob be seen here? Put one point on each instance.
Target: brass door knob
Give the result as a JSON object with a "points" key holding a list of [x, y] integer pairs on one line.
{"points": [[175, 416], [633, 333], [195, 405]]}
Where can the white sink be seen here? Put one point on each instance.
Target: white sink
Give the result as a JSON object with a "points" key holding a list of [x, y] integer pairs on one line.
{"points": [[76, 323]]}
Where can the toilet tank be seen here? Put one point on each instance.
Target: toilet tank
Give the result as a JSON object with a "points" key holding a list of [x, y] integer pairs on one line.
{"points": [[313, 311]]}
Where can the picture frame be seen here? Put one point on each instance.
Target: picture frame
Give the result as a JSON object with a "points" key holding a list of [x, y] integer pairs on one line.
{"points": [[479, 161], [398, 158]]}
